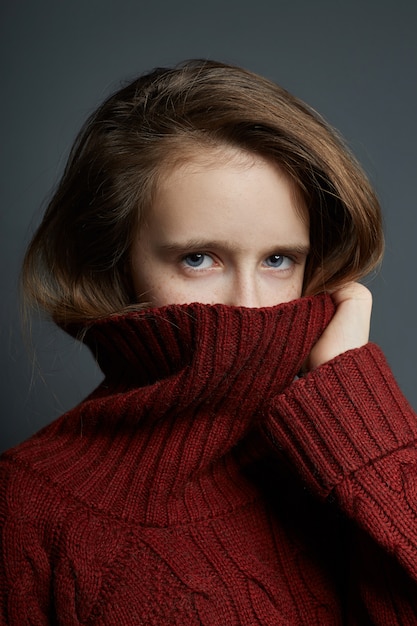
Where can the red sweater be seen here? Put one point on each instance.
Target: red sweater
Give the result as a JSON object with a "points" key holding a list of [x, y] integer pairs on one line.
{"points": [[201, 485]]}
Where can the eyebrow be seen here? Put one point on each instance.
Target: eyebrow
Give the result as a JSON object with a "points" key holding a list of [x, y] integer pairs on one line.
{"points": [[193, 245]]}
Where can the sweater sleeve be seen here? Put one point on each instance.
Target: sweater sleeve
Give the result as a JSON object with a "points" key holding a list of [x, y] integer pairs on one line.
{"points": [[351, 434]]}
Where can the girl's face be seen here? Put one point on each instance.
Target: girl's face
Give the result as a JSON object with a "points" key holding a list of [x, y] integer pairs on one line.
{"points": [[222, 230]]}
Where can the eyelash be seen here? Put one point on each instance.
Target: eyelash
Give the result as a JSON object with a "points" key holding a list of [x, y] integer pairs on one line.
{"points": [[280, 256], [195, 254], [204, 255]]}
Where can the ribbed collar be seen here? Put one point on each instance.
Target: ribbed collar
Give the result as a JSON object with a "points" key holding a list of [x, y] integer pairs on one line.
{"points": [[210, 345], [164, 436]]}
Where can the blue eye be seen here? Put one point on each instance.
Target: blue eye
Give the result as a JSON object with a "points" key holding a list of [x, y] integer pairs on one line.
{"points": [[276, 260], [198, 260], [195, 260]]}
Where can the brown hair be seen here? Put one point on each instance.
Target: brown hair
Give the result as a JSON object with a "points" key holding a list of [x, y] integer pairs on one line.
{"points": [[75, 266]]}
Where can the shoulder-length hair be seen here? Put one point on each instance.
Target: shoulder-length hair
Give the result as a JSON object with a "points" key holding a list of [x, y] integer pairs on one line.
{"points": [[76, 267]]}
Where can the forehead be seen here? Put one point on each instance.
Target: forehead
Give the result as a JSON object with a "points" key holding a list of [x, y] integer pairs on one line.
{"points": [[236, 197], [206, 164]]}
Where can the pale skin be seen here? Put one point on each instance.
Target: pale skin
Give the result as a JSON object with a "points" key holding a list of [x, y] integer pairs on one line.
{"points": [[230, 228]]}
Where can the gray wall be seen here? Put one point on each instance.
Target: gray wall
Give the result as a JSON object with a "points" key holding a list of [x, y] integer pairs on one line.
{"points": [[354, 61]]}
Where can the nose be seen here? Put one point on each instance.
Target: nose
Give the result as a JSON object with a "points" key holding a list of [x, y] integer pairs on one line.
{"points": [[244, 290]]}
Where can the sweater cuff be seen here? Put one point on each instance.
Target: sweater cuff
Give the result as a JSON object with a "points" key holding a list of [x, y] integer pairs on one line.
{"points": [[347, 413]]}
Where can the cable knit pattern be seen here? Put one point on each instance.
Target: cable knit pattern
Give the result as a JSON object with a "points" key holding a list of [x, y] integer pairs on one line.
{"points": [[171, 494]]}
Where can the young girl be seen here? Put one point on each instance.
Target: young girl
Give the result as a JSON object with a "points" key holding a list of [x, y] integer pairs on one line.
{"points": [[248, 458]]}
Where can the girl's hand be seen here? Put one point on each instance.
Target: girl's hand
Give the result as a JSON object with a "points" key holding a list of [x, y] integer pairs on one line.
{"points": [[349, 327]]}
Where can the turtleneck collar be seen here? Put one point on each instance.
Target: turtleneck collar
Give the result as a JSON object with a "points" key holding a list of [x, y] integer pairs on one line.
{"points": [[164, 434], [209, 343]]}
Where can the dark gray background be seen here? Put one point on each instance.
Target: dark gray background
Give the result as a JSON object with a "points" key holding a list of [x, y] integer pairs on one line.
{"points": [[354, 61]]}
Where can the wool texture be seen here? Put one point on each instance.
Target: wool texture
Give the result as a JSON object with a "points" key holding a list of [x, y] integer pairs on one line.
{"points": [[203, 483]]}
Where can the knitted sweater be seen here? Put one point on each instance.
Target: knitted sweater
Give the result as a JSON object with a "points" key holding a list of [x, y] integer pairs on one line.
{"points": [[201, 484]]}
